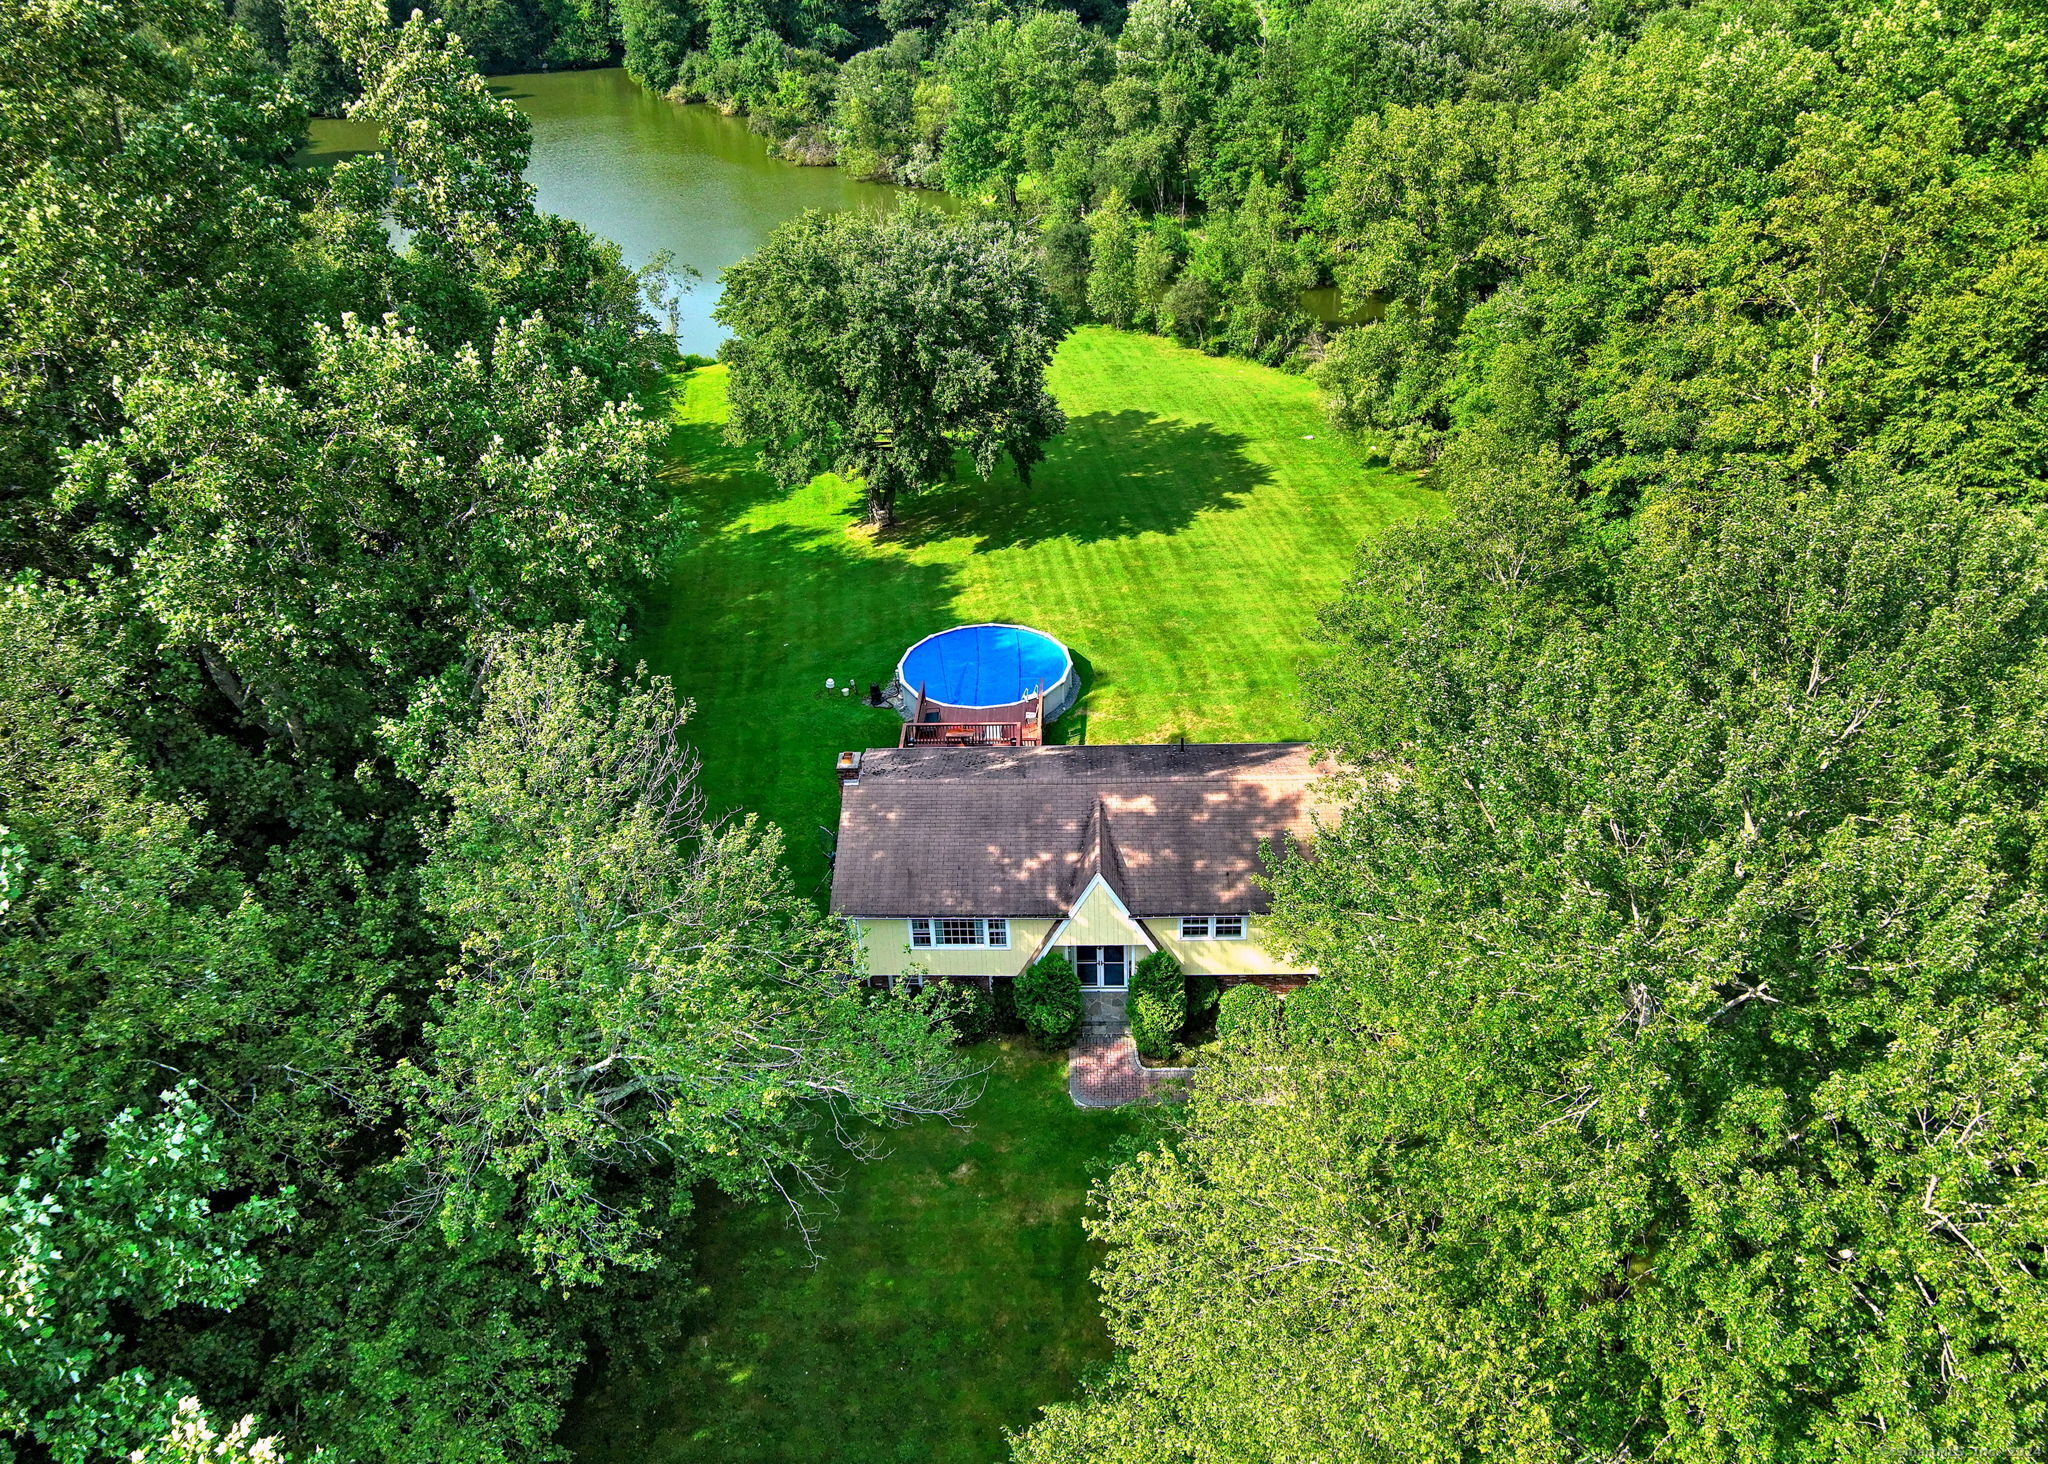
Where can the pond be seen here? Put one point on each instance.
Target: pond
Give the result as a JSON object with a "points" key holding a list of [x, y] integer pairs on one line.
{"points": [[651, 174]]}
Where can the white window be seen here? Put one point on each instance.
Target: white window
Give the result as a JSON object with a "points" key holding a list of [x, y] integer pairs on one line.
{"points": [[956, 930], [1229, 927], [1194, 927], [1212, 927]]}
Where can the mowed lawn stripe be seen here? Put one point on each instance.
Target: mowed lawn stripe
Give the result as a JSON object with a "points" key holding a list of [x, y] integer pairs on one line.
{"points": [[1180, 537]]}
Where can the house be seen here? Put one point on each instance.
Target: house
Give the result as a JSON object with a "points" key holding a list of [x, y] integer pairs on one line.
{"points": [[973, 862]]}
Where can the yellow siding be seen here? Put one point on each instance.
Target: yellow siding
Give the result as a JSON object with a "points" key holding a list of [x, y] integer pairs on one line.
{"points": [[887, 946], [1247, 957], [1097, 921]]}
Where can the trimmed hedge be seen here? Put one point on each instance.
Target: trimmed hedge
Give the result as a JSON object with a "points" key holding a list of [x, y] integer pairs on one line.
{"points": [[1152, 1025], [1159, 980], [1049, 1001]]}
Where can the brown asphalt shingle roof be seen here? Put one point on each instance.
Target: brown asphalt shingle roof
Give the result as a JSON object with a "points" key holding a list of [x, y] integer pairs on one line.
{"points": [[1019, 831]]}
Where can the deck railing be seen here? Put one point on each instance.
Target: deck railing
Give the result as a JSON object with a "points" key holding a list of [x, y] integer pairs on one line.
{"points": [[970, 734], [925, 729]]}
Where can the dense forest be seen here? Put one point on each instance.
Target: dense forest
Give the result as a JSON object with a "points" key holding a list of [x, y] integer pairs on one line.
{"points": [[1673, 1086], [376, 993], [1649, 237]]}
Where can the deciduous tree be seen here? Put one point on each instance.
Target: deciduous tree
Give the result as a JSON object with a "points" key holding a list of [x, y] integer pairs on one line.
{"points": [[94, 1242], [642, 1002], [1672, 1082], [880, 348]]}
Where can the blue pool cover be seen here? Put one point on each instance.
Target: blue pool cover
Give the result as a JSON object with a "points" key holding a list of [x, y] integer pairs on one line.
{"points": [[984, 665]]}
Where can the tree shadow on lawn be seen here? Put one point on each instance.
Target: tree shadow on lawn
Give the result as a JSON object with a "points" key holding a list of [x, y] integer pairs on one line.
{"points": [[713, 482], [1110, 475], [950, 1300]]}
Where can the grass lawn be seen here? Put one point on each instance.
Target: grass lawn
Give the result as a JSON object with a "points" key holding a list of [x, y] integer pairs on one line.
{"points": [[952, 1301], [1179, 537]]}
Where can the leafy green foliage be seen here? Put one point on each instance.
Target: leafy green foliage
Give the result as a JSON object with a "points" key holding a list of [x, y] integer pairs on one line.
{"points": [[878, 348], [1247, 1013], [1679, 1089], [1049, 1000], [1005, 1017], [1152, 1024], [642, 1002], [310, 548], [1709, 246], [278, 486], [1159, 976], [970, 1011], [118, 239], [133, 946], [1113, 264], [1656, 241], [89, 1245], [1021, 91], [402, 1348], [1676, 1033], [886, 121], [655, 38]]}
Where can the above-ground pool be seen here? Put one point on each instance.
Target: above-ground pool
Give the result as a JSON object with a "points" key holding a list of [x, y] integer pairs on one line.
{"points": [[989, 666]]}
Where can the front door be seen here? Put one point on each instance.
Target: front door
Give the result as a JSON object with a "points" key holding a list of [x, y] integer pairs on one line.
{"points": [[1101, 967]]}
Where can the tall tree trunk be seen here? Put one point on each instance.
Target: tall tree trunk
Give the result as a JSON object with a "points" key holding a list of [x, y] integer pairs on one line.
{"points": [[243, 695]]}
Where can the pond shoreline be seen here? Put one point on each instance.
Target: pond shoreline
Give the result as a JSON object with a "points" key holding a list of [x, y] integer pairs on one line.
{"points": [[655, 175]]}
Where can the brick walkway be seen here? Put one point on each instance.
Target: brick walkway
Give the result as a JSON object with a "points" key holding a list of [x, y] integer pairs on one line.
{"points": [[1103, 1070]]}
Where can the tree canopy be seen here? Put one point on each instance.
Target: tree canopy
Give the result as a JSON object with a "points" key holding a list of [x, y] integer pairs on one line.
{"points": [[304, 525], [641, 993], [375, 996], [879, 348], [1655, 237], [1673, 1082]]}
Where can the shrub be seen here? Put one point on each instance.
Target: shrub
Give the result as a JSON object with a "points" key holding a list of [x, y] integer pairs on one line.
{"points": [[1159, 977], [1006, 1017], [1247, 1012], [1152, 1025], [1201, 992], [971, 1011], [1319, 1014], [1049, 1001]]}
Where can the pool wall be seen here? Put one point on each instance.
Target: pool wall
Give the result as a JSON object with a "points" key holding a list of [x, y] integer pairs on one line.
{"points": [[1060, 697]]}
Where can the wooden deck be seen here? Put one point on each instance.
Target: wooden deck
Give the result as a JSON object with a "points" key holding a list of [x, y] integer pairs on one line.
{"points": [[934, 724]]}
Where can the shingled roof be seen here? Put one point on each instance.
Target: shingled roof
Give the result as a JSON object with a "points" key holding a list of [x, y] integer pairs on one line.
{"points": [[1020, 831]]}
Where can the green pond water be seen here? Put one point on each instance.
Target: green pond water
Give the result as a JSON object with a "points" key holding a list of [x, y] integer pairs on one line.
{"points": [[653, 175]]}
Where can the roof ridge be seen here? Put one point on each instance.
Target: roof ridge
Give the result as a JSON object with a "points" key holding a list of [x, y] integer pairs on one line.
{"points": [[1109, 857], [1100, 857]]}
